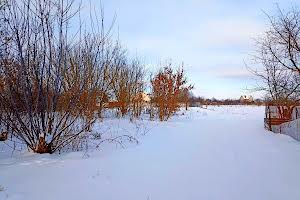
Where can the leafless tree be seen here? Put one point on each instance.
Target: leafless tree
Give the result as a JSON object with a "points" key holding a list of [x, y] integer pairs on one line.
{"points": [[278, 53]]}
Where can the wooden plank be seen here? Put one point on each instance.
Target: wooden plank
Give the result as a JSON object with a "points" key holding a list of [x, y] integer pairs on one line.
{"points": [[276, 121]]}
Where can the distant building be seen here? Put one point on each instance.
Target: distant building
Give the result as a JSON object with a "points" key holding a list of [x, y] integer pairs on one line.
{"points": [[146, 97], [142, 97], [138, 99], [246, 99]]}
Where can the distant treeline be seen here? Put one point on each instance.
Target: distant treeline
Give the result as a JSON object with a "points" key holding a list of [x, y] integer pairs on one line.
{"points": [[198, 101]]}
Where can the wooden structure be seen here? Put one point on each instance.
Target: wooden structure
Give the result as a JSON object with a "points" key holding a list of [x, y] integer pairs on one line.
{"points": [[276, 114]]}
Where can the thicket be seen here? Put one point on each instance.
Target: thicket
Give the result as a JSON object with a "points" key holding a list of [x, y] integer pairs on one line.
{"points": [[56, 79]]}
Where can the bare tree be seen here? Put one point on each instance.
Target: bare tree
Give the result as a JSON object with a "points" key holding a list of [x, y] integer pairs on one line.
{"points": [[278, 52]]}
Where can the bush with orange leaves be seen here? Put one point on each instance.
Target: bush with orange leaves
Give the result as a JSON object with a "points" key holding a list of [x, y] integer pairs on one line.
{"points": [[167, 85]]}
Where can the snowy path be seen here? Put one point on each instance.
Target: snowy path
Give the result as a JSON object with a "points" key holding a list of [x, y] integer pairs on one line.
{"points": [[205, 154]]}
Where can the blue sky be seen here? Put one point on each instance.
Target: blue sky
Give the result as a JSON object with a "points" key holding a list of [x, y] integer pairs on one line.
{"points": [[213, 38]]}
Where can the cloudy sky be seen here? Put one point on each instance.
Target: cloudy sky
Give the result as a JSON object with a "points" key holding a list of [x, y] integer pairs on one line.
{"points": [[213, 38]]}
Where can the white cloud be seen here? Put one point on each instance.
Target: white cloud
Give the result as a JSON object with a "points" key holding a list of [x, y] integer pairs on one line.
{"points": [[234, 73], [227, 32]]}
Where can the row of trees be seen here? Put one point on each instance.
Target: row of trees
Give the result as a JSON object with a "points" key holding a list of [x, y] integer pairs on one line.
{"points": [[55, 81], [278, 54], [199, 101]]}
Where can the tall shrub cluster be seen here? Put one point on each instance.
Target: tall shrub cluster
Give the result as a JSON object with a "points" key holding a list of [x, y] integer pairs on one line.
{"points": [[54, 78]]}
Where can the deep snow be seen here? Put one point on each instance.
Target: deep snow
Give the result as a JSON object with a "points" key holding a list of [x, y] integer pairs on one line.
{"points": [[215, 153]]}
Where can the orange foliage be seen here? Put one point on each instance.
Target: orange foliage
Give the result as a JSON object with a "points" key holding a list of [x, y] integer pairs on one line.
{"points": [[167, 85]]}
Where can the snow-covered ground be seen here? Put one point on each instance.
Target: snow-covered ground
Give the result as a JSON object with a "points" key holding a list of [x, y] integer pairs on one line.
{"points": [[215, 153]]}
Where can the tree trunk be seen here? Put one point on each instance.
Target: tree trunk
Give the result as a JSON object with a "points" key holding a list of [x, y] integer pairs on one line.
{"points": [[43, 147]]}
